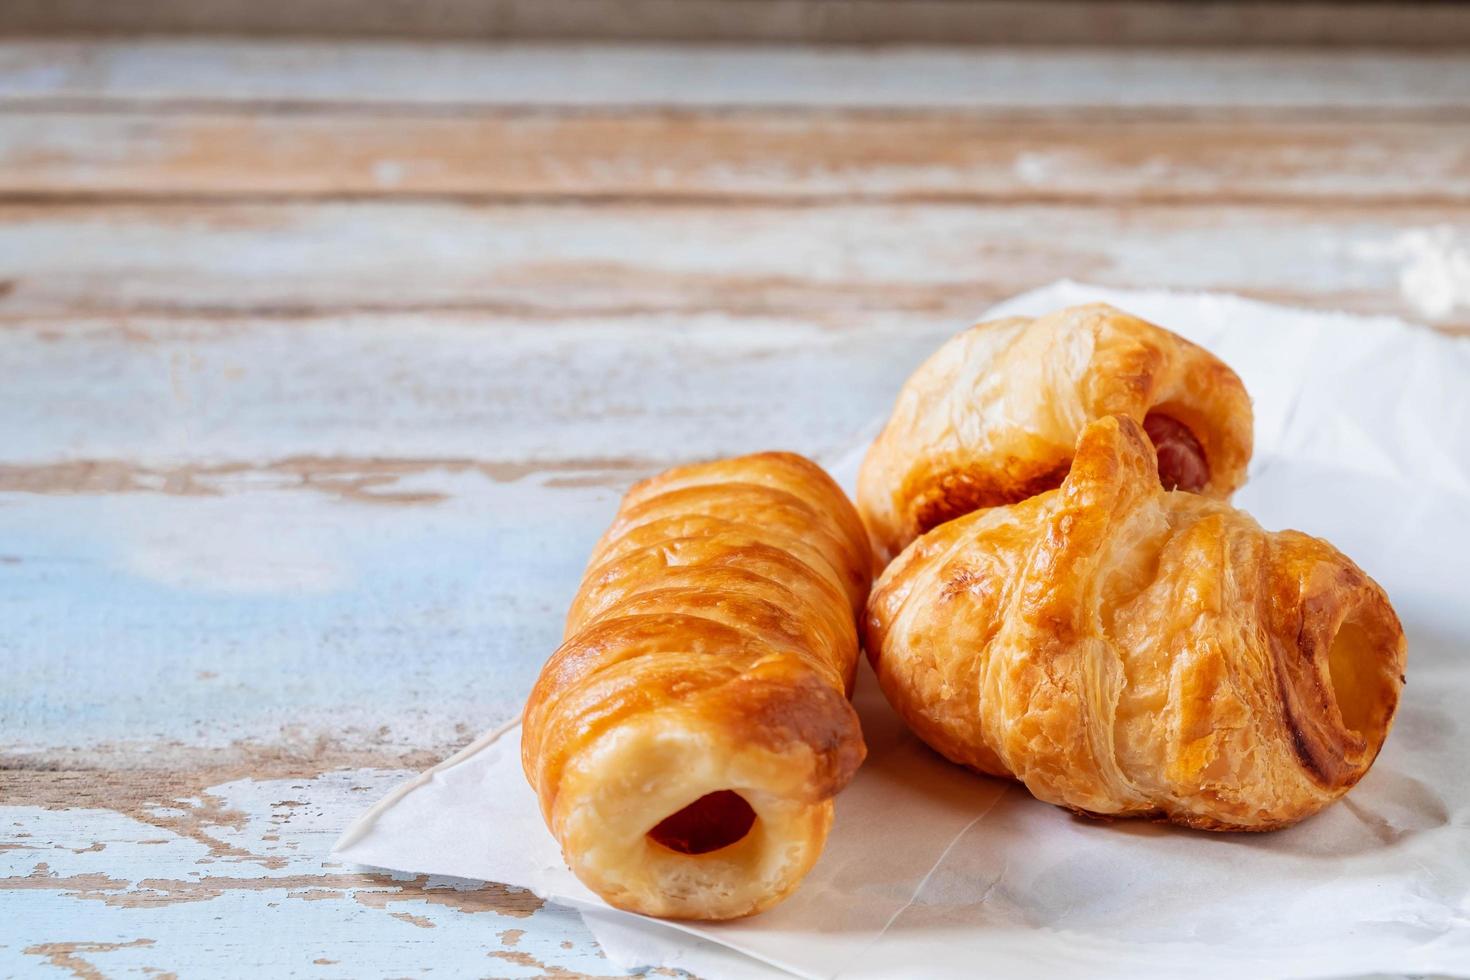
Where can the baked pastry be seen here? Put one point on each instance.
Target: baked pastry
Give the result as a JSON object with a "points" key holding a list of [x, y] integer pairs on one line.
{"points": [[992, 416], [1126, 651], [687, 738]]}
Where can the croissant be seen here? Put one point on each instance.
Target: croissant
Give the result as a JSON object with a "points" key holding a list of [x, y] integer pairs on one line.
{"points": [[1127, 651], [687, 738], [992, 416]]}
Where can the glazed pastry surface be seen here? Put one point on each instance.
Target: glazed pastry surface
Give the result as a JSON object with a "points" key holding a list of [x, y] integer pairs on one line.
{"points": [[1127, 651], [992, 417], [687, 738]]}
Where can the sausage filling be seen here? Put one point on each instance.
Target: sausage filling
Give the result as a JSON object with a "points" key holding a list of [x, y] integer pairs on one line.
{"points": [[1182, 463], [711, 822]]}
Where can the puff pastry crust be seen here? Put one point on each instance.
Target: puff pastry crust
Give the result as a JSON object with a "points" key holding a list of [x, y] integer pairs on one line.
{"points": [[1127, 651], [687, 738], [991, 418]]}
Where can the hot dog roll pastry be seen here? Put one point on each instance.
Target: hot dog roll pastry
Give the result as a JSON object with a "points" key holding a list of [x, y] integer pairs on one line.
{"points": [[1126, 651], [687, 738], [992, 417]]}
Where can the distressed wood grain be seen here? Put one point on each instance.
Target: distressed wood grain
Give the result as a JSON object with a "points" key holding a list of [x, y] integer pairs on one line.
{"points": [[806, 21], [763, 155], [827, 264], [395, 408], [149, 875], [171, 72]]}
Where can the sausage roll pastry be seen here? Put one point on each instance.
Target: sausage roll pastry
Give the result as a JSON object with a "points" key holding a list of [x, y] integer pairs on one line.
{"points": [[687, 738], [992, 416], [1128, 651]]}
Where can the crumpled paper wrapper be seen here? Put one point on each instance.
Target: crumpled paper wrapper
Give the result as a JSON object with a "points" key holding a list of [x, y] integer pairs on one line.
{"points": [[1362, 437]]}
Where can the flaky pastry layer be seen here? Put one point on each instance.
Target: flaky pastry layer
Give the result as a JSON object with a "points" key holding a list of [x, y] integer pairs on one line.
{"points": [[1127, 651], [992, 417], [687, 738]]}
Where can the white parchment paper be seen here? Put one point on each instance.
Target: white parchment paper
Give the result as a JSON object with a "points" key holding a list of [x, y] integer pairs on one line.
{"points": [[1362, 437]]}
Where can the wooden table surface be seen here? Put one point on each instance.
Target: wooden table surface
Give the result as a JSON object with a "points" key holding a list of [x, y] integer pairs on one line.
{"points": [[322, 366]]}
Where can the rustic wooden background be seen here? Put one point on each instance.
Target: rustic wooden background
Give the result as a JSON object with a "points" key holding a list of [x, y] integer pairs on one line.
{"points": [[322, 364], [1377, 23]]}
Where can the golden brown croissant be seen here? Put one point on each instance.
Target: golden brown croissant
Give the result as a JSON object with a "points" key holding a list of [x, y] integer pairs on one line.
{"points": [[1127, 651], [687, 738], [992, 416]]}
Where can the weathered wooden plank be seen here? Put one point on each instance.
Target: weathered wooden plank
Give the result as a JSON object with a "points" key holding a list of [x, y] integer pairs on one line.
{"points": [[806, 21], [188, 630], [384, 409], [828, 264], [762, 154], [352, 541], [159, 872], [307, 73]]}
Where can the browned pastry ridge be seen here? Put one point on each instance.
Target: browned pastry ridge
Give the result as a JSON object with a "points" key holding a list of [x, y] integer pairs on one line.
{"points": [[992, 416], [687, 738], [1127, 651]]}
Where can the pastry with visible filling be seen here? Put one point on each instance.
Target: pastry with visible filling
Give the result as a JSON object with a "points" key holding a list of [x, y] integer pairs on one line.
{"points": [[991, 418], [1130, 651], [687, 738]]}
